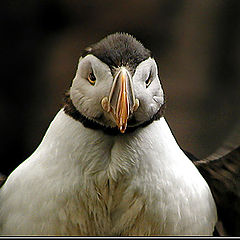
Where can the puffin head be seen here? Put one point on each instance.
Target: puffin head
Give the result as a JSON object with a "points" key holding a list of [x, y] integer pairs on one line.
{"points": [[116, 86]]}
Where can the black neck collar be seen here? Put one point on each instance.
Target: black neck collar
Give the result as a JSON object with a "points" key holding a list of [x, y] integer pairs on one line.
{"points": [[71, 110]]}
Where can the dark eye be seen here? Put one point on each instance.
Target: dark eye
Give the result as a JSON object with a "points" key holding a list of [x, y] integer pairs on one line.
{"points": [[91, 78], [149, 80]]}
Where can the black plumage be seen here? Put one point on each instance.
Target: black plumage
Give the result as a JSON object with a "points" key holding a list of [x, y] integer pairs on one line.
{"points": [[2, 179], [223, 177], [119, 49], [71, 111]]}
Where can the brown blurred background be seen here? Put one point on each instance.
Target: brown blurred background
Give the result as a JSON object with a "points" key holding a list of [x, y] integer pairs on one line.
{"points": [[196, 44]]}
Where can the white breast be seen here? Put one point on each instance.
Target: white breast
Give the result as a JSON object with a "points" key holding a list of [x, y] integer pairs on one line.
{"points": [[82, 182]]}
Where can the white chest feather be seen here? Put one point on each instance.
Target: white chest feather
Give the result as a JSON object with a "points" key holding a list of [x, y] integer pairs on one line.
{"points": [[82, 182]]}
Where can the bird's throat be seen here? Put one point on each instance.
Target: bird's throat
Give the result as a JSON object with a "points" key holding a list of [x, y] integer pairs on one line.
{"points": [[71, 110]]}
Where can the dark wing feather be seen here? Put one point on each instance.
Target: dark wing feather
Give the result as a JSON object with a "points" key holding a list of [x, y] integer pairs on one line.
{"points": [[223, 177], [2, 179]]}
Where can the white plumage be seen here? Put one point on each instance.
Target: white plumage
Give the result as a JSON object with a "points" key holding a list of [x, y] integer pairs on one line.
{"points": [[83, 181]]}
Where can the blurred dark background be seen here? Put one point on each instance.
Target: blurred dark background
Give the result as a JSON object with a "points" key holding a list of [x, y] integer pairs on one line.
{"points": [[196, 44]]}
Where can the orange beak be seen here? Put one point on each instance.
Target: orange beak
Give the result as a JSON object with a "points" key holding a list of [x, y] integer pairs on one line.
{"points": [[121, 99], [122, 111]]}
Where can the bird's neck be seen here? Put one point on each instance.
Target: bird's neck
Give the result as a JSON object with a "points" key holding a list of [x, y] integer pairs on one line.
{"points": [[94, 151], [71, 110]]}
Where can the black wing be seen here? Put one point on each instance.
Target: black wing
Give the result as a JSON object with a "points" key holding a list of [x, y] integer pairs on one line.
{"points": [[2, 179], [223, 177]]}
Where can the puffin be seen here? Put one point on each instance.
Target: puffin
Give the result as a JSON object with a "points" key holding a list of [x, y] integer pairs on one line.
{"points": [[109, 164]]}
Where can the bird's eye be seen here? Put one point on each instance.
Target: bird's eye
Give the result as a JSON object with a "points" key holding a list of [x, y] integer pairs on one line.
{"points": [[149, 80], [91, 78]]}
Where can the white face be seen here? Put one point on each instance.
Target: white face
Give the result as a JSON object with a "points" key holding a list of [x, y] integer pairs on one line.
{"points": [[94, 80], [147, 89]]}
